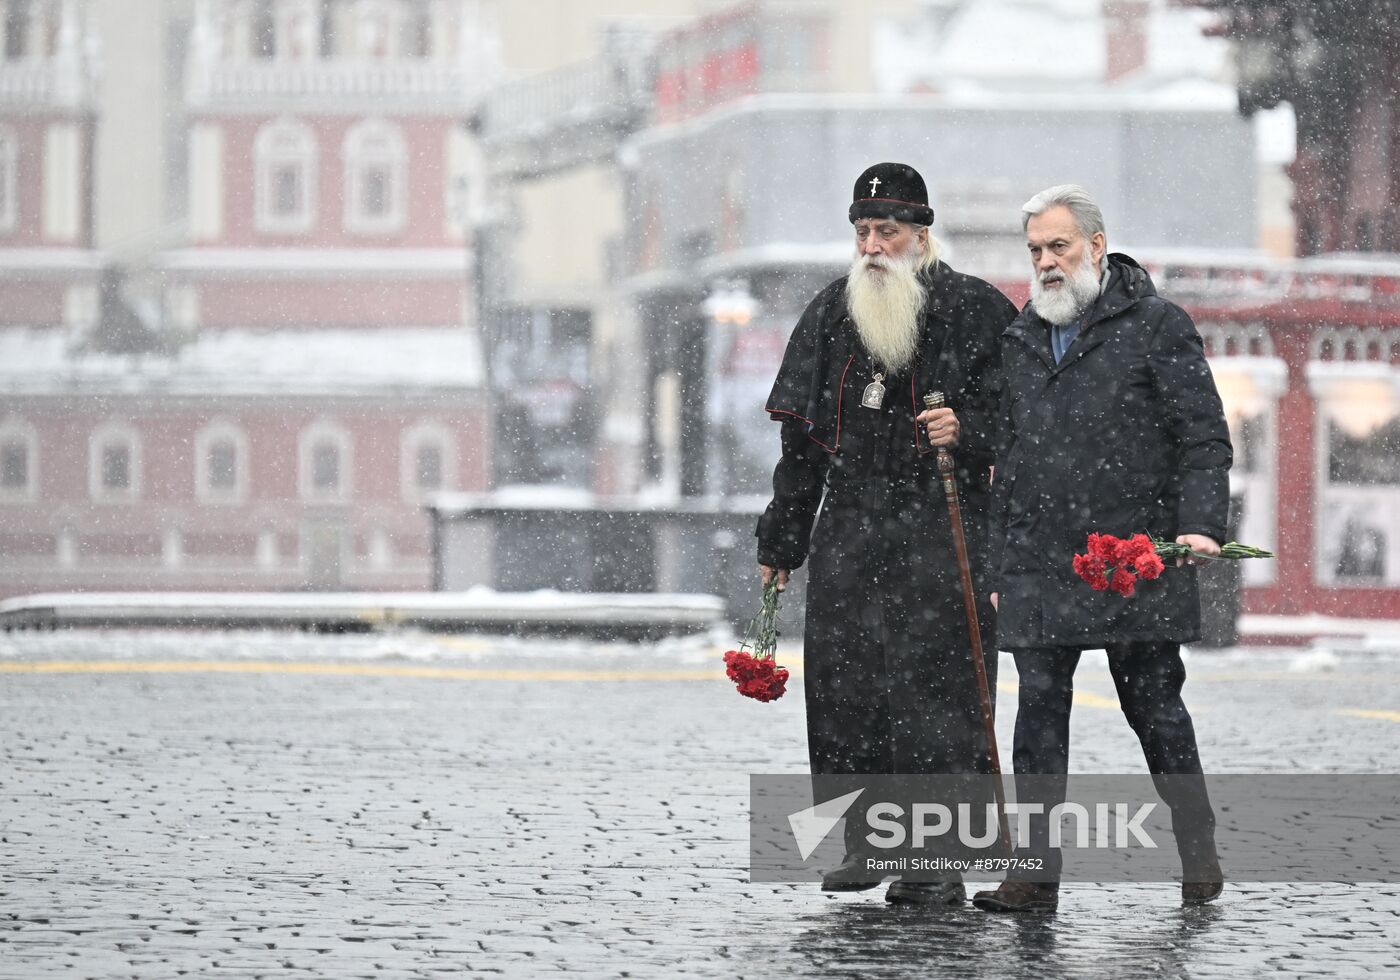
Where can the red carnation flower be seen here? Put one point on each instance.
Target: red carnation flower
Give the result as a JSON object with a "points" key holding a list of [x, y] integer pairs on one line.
{"points": [[1091, 569], [739, 665], [1123, 582], [1110, 563], [1149, 565], [757, 675], [767, 685], [1133, 548], [1104, 546]]}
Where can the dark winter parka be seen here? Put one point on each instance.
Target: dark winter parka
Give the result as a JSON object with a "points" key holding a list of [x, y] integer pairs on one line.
{"points": [[1126, 434]]}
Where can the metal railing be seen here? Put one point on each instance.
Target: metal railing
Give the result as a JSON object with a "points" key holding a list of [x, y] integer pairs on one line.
{"points": [[44, 84], [442, 83]]}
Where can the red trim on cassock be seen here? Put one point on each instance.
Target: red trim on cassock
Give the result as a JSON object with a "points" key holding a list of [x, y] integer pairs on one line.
{"points": [[840, 393], [918, 429], [893, 200]]}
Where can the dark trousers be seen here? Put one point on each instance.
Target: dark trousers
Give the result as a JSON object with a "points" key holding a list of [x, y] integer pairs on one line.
{"points": [[1149, 677]]}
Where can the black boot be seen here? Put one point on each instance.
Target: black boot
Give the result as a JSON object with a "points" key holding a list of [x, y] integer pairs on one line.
{"points": [[948, 892], [851, 875]]}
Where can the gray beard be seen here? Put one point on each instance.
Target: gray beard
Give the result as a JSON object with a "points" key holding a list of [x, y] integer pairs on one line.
{"points": [[1064, 304], [886, 307]]}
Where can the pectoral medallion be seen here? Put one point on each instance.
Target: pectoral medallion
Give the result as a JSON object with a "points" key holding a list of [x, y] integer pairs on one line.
{"points": [[874, 395]]}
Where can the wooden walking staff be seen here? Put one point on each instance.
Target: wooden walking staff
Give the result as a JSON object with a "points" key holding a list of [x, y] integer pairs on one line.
{"points": [[974, 631]]}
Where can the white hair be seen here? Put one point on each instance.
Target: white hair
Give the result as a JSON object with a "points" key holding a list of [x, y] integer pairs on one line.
{"points": [[1087, 216], [929, 258]]}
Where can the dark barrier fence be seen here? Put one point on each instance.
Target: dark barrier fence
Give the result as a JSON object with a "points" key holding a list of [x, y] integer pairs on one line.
{"points": [[1221, 583], [576, 542], [570, 541]]}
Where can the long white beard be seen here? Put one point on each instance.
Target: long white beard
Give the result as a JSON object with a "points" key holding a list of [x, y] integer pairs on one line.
{"points": [[1063, 304], [886, 306]]}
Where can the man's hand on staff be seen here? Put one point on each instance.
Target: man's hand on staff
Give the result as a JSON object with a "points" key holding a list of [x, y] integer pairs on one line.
{"points": [[943, 426], [1200, 545], [768, 573]]}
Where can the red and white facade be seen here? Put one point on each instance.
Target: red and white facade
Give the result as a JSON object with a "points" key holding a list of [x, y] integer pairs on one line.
{"points": [[316, 379], [326, 164], [47, 262]]}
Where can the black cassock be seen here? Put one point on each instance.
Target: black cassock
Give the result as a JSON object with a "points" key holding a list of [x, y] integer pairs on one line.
{"points": [[888, 671]]}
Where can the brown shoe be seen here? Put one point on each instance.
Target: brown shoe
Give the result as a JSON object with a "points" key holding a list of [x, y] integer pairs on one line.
{"points": [[1202, 892], [1019, 896]]}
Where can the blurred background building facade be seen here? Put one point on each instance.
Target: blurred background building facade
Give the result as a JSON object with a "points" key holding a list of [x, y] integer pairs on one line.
{"points": [[253, 376], [345, 254]]}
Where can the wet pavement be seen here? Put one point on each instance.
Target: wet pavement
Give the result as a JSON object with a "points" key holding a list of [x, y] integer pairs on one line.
{"points": [[282, 805]]}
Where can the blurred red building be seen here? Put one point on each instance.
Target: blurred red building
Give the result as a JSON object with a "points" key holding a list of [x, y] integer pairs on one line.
{"points": [[311, 379]]}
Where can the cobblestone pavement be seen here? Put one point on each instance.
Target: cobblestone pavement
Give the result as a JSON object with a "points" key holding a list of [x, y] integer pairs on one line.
{"points": [[279, 805]]}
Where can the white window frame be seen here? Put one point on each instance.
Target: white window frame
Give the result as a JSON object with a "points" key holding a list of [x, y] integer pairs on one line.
{"points": [[9, 181], [409, 443], [103, 436], [214, 432], [1328, 381], [371, 17], [283, 142], [296, 22], [313, 434], [16, 429], [375, 143]]}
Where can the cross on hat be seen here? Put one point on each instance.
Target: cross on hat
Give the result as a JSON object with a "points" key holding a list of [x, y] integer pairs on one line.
{"points": [[891, 190]]}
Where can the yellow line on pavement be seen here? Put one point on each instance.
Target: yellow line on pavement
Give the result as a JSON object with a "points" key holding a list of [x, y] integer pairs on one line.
{"points": [[354, 670], [1085, 698], [1203, 676], [1373, 714], [1094, 700]]}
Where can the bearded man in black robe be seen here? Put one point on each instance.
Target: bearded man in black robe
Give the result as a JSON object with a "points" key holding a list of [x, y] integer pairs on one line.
{"points": [[889, 678]]}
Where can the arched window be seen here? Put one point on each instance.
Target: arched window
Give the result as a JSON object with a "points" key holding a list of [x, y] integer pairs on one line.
{"points": [[427, 461], [114, 464], [9, 181], [286, 177], [324, 451], [221, 464], [19, 462], [375, 178]]}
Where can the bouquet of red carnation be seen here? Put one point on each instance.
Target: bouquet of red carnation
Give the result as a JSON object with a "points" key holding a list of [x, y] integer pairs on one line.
{"points": [[757, 674], [1117, 563]]}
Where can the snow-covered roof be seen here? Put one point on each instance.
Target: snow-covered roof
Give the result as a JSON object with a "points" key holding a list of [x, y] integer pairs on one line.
{"points": [[334, 262], [32, 261], [249, 362], [664, 612], [1044, 49]]}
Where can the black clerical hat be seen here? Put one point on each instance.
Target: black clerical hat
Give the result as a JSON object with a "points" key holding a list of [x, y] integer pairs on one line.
{"points": [[891, 190]]}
